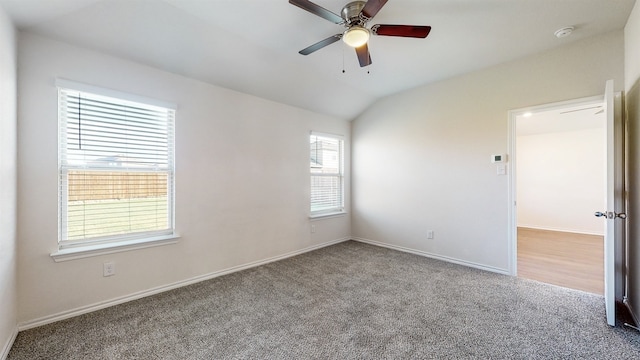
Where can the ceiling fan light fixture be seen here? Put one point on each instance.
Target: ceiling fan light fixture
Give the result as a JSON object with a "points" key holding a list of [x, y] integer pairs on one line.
{"points": [[356, 36]]}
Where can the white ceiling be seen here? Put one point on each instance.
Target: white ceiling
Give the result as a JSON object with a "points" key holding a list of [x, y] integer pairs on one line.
{"points": [[252, 45]]}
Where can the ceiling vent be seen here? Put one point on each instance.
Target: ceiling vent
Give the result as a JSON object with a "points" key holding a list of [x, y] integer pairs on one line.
{"points": [[564, 32]]}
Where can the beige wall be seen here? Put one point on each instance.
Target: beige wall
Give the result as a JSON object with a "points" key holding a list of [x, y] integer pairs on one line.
{"points": [[8, 290], [632, 88], [421, 159], [242, 188]]}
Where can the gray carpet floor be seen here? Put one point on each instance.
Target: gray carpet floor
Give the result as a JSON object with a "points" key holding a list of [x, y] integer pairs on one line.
{"points": [[347, 301]]}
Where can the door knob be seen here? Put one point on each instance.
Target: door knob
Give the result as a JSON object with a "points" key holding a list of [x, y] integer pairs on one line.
{"points": [[610, 215]]}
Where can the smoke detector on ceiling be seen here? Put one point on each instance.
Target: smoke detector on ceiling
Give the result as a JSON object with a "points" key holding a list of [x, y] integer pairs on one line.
{"points": [[564, 32]]}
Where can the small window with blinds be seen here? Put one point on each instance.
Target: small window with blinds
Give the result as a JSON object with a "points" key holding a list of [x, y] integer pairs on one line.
{"points": [[116, 168], [327, 180]]}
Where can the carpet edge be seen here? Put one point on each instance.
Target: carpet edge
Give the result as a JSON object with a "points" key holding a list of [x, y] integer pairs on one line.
{"points": [[433, 256], [160, 289]]}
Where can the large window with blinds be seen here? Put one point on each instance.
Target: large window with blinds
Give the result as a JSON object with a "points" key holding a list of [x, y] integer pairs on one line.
{"points": [[327, 179], [116, 168]]}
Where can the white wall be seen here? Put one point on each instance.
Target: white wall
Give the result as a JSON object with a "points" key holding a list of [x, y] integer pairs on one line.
{"points": [[421, 159], [242, 182], [8, 290], [560, 180], [631, 48], [632, 99]]}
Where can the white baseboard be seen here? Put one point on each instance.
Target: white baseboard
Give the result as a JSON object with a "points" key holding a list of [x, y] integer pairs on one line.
{"points": [[560, 230], [9, 344], [138, 295], [434, 256]]}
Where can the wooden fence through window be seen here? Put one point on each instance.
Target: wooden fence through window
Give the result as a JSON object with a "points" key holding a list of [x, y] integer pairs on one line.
{"points": [[94, 185]]}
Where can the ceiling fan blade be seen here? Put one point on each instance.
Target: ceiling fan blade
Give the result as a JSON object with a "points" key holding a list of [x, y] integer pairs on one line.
{"points": [[317, 10], [372, 7], [363, 55], [320, 44], [413, 31]]}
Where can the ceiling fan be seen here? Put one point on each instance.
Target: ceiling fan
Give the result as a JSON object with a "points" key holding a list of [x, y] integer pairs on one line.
{"points": [[355, 16]]}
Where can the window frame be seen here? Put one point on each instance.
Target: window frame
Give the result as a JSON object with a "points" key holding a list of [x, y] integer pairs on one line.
{"points": [[339, 210], [79, 248]]}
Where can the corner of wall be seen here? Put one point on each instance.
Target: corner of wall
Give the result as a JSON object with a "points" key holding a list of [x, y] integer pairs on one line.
{"points": [[8, 184]]}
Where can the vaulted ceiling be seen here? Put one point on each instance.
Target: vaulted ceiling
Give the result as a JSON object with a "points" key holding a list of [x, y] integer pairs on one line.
{"points": [[252, 45]]}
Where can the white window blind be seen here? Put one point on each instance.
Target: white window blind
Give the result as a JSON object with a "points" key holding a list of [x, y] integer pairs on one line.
{"points": [[116, 169], [327, 188]]}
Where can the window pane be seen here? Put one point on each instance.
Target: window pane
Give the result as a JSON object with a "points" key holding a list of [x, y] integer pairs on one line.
{"points": [[326, 193], [325, 155], [99, 133], [115, 203]]}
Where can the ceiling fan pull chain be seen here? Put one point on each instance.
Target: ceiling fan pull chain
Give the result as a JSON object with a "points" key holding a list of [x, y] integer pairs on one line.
{"points": [[343, 71]]}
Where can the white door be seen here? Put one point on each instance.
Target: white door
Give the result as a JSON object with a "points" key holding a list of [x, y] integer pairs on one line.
{"points": [[614, 213]]}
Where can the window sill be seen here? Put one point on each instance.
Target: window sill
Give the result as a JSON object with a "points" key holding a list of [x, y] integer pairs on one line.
{"points": [[81, 252], [327, 215]]}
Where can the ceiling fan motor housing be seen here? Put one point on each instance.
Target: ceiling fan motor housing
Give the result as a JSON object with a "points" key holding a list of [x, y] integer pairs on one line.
{"points": [[352, 14]]}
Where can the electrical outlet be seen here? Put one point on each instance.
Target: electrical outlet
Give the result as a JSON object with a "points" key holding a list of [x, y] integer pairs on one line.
{"points": [[430, 234], [313, 229], [109, 269]]}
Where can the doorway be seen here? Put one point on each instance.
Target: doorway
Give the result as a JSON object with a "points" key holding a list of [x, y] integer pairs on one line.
{"points": [[559, 167]]}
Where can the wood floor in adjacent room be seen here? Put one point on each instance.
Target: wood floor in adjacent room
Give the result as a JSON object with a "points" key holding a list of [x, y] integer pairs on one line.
{"points": [[566, 259]]}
